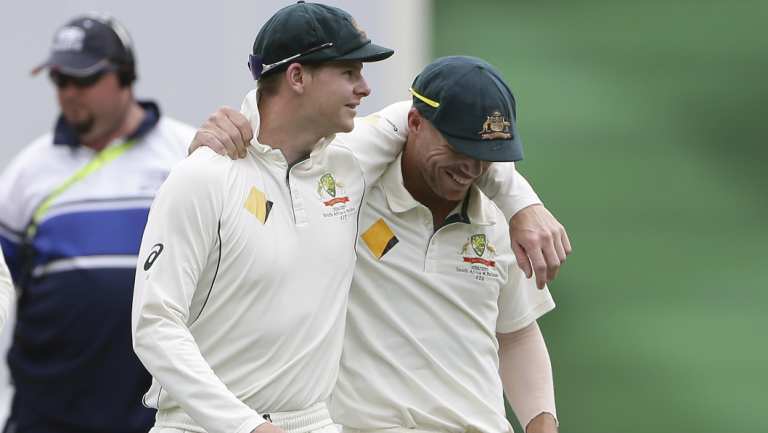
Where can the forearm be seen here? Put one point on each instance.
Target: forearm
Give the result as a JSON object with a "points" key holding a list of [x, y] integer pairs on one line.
{"points": [[378, 139], [170, 354], [511, 192], [526, 373]]}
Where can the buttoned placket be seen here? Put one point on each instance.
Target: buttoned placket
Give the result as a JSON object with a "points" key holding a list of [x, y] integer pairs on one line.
{"points": [[432, 253], [294, 194], [297, 201]]}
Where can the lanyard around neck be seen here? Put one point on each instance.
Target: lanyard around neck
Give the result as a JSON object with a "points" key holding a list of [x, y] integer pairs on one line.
{"points": [[99, 161]]}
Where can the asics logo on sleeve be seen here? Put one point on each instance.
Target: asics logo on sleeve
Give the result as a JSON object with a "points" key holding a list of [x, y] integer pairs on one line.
{"points": [[154, 253]]}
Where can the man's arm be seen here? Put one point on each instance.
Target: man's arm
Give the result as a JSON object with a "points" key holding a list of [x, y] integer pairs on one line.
{"points": [[526, 374], [540, 242], [377, 139], [226, 132], [181, 232]]}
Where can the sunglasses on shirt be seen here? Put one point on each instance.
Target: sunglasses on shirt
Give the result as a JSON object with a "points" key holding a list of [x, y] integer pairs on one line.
{"points": [[62, 80]]}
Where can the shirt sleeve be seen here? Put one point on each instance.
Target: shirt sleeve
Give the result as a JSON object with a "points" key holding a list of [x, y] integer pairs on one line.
{"points": [[377, 139], [6, 291], [511, 192], [17, 203], [521, 302], [181, 233], [10, 247]]}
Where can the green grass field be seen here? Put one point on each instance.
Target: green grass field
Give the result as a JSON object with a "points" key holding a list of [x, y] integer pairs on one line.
{"points": [[645, 133]]}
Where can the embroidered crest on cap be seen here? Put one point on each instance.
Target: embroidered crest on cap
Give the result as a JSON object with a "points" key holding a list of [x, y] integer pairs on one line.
{"points": [[495, 126]]}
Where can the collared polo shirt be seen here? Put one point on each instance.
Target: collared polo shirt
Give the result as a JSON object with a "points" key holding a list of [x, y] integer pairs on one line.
{"points": [[71, 339], [242, 284], [425, 306]]}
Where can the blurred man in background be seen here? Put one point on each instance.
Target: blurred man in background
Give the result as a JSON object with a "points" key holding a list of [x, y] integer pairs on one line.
{"points": [[74, 206]]}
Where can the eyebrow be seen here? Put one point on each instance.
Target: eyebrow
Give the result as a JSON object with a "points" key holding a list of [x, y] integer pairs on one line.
{"points": [[354, 64]]}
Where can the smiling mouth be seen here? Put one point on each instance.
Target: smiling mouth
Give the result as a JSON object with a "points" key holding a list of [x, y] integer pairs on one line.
{"points": [[460, 180]]}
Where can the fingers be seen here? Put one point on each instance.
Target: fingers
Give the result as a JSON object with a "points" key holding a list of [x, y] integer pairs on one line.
{"points": [[539, 267], [566, 242], [223, 138], [552, 257], [204, 138], [226, 131], [562, 247], [243, 127], [535, 232], [522, 259], [537, 255]]}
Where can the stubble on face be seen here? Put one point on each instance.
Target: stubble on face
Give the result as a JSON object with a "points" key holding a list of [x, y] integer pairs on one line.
{"points": [[448, 173], [95, 111]]}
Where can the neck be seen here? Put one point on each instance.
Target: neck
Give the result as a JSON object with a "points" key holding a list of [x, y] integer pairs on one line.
{"points": [[281, 128], [133, 117], [416, 184]]}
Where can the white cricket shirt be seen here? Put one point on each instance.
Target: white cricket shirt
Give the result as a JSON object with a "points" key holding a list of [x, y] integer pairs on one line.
{"points": [[242, 284], [420, 349]]}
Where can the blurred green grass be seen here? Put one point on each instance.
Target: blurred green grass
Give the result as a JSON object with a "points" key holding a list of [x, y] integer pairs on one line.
{"points": [[645, 133]]}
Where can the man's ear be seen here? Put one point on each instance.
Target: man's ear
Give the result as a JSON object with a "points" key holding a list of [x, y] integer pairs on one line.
{"points": [[415, 121], [296, 76]]}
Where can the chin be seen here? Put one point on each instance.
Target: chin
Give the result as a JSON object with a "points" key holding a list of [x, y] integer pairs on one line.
{"points": [[82, 128], [347, 126], [453, 195]]}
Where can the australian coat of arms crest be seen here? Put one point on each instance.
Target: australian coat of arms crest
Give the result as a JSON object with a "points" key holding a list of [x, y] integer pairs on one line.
{"points": [[495, 127]]}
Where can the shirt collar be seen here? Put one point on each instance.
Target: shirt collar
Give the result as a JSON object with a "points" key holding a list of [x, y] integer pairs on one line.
{"points": [[250, 109], [474, 209], [64, 135]]}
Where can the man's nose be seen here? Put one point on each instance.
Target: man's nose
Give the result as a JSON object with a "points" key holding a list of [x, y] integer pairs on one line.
{"points": [[362, 88], [67, 89]]}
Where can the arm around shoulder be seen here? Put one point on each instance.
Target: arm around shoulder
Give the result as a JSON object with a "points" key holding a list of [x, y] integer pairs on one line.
{"points": [[511, 192], [377, 139], [539, 241]]}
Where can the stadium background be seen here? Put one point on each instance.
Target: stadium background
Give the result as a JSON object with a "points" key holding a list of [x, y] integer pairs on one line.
{"points": [[644, 132]]}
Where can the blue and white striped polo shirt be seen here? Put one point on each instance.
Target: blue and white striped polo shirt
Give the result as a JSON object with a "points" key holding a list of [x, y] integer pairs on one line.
{"points": [[71, 358]]}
